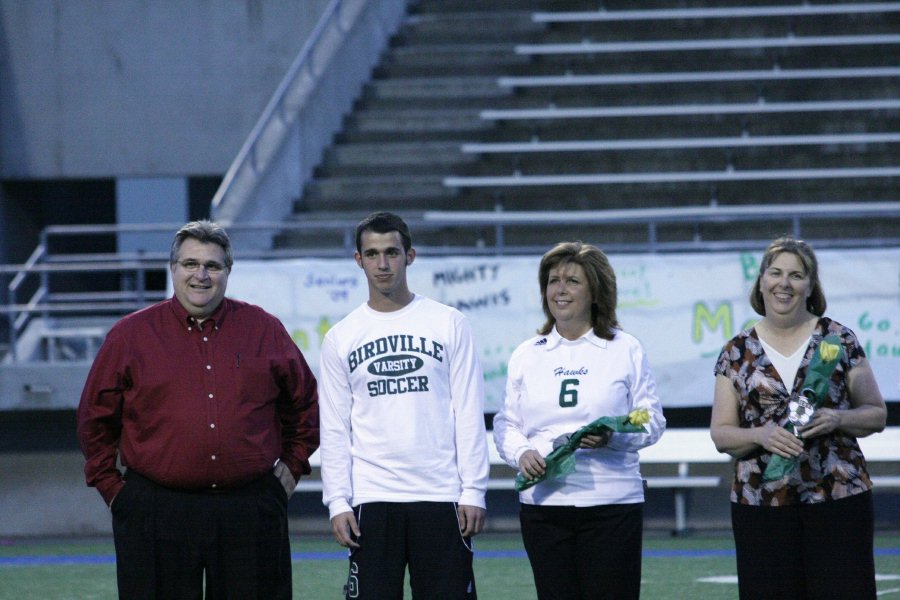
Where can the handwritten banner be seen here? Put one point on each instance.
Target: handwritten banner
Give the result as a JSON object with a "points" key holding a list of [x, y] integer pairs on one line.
{"points": [[682, 307]]}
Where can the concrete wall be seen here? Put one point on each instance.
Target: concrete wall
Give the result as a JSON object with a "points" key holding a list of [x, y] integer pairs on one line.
{"points": [[42, 386], [117, 90], [44, 493], [81, 80]]}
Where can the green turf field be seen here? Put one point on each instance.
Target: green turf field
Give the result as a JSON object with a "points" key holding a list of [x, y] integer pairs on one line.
{"points": [[691, 567]]}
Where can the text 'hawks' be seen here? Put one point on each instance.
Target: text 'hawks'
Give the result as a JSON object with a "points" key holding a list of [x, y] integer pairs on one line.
{"points": [[395, 343]]}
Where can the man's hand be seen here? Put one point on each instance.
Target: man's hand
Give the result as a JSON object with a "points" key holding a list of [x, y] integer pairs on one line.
{"points": [[345, 529], [116, 495], [286, 478], [471, 519]]}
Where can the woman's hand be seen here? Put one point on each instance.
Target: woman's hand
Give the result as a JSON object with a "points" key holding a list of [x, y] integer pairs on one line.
{"points": [[595, 441], [823, 422], [778, 440], [532, 464]]}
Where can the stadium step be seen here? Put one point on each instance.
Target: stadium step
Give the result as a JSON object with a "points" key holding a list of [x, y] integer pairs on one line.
{"points": [[455, 66]]}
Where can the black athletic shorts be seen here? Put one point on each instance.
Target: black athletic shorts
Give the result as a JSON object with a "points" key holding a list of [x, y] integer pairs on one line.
{"points": [[424, 536]]}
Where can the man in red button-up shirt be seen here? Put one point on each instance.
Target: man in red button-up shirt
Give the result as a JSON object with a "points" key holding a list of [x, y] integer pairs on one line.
{"points": [[211, 409]]}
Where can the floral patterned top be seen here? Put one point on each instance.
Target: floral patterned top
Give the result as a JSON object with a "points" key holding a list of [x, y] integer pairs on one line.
{"points": [[833, 466]]}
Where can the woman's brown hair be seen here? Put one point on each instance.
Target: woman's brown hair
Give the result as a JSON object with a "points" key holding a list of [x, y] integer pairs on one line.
{"points": [[816, 303], [601, 281]]}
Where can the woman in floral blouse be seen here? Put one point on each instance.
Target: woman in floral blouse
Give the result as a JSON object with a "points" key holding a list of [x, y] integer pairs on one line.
{"points": [[806, 533]]}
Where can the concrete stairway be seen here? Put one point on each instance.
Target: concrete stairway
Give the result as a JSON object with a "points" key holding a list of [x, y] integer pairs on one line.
{"points": [[422, 104], [445, 66]]}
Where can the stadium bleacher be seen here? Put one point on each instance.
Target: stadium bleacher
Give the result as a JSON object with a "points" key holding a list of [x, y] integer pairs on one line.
{"points": [[544, 107], [499, 127]]}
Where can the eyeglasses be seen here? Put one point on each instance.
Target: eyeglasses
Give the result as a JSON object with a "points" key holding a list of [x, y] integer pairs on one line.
{"points": [[192, 266]]}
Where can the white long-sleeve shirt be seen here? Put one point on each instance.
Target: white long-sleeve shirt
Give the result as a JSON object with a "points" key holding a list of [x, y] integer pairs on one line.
{"points": [[556, 386], [401, 408]]}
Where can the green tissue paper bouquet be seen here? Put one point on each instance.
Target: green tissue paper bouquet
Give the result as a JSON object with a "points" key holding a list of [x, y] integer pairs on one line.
{"points": [[812, 394], [562, 460]]}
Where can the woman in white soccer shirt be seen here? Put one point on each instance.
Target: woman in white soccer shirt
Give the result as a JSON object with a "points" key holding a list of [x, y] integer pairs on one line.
{"points": [[583, 531]]}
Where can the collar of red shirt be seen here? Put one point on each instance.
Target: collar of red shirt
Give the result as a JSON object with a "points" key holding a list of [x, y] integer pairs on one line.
{"points": [[217, 317]]}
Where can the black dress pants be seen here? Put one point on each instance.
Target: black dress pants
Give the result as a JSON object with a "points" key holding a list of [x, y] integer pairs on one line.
{"points": [[584, 553], [173, 544], [821, 551]]}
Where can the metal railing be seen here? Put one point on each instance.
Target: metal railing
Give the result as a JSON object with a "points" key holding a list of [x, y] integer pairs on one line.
{"points": [[306, 110], [654, 218], [32, 292]]}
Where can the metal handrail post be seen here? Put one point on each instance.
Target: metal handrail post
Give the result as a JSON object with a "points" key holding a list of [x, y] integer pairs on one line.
{"points": [[16, 317], [140, 278], [45, 275], [11, 317], [350, 240], [499, 232]]}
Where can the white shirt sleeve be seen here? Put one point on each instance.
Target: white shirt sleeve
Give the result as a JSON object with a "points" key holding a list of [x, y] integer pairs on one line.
{"points": [[642, 390], [335, 401], [511, 442], [467, 400]]}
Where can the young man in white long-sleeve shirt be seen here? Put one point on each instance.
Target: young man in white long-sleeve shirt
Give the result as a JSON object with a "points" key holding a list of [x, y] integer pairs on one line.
{"points": [[404, 456]]}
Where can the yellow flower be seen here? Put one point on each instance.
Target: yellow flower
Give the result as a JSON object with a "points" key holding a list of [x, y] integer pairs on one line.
{"points": [[639, 416], [829, 352]]}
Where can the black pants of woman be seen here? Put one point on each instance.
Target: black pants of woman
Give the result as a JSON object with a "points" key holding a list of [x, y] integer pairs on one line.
{"points": [[806, 552], [584, 553]]}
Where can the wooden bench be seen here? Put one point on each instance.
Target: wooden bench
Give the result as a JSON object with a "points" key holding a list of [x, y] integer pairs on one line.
{"points": [[678, 143], [669, 214], [787, 41], [725, 175], [775, 74], [725, 12], [681, 110], [681, 448], [882, 447]]}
